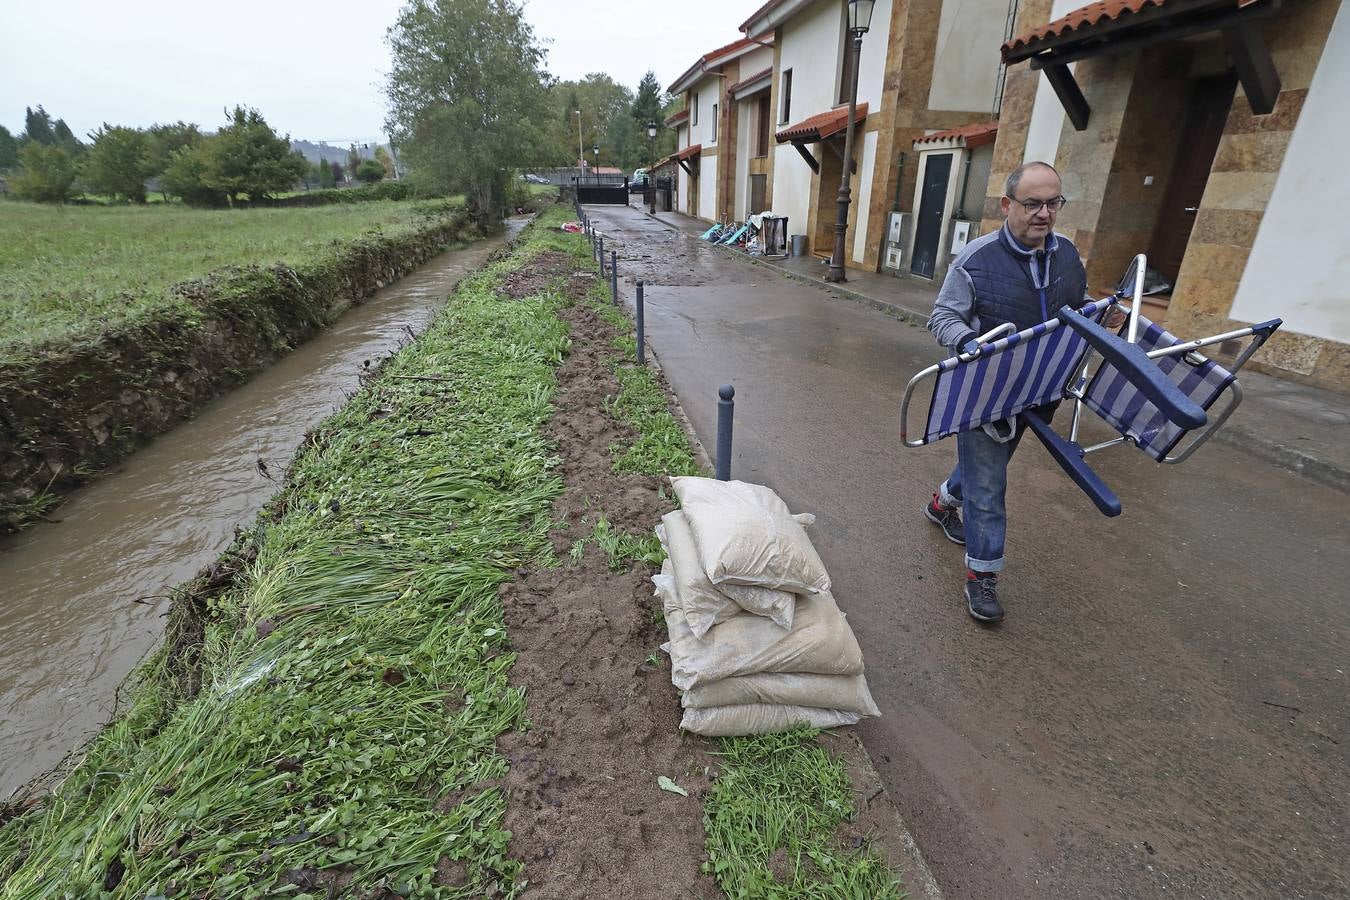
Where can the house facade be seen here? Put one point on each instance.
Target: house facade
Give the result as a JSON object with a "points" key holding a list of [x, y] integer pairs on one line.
{"points": [[1204, 133], [926, 66], [715, 162]]}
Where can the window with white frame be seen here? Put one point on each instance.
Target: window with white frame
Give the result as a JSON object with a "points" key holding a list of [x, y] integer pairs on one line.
{"points": [[786, 90], [713, 139], [693, 108]]}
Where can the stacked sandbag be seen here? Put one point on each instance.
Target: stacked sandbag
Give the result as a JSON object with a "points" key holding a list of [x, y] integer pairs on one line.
{"points": [[757, 642]]}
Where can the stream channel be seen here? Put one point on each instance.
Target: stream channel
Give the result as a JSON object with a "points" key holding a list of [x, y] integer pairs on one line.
{"points": [[71, 628]]}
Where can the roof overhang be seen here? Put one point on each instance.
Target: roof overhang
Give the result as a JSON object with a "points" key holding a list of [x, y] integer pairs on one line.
{"points": [[691, 151], [1120, 26], [966, 137], [754, 84], [820, 126], [674, 120], [771, 15], [708, 62]]}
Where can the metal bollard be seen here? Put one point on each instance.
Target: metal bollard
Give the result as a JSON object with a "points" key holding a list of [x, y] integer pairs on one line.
{"points": [[614, 276], [725, 407], [602, 256], [641, 336]]}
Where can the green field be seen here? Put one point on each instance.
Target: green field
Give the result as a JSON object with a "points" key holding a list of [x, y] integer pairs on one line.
{"points": [[67, 271]]}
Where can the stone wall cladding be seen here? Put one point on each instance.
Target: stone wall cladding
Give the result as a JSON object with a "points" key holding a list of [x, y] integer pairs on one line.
{"points": [[71, 410], [1249, 158]]}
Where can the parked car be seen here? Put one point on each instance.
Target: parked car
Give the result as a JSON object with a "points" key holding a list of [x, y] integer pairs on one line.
{"points": [[536, 179]]}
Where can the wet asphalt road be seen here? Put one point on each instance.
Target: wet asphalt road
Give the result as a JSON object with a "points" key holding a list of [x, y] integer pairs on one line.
{"points": [[1163, 713]]}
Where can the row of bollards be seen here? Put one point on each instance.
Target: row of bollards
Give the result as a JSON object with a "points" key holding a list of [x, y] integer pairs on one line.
{"points": [[726, 394]]}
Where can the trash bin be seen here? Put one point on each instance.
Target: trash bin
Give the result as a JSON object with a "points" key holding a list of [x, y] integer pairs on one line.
{"points": [[799, 245]]}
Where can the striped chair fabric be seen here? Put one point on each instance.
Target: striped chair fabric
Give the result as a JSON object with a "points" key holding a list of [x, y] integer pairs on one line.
{"points": [[1113, 398], [1017, 372]]}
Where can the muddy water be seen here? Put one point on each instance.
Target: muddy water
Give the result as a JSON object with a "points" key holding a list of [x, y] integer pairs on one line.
{"points": [[71, 628]]}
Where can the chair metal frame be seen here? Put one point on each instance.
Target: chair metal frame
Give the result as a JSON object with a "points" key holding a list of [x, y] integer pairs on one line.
{"points": [[1123, 352]]}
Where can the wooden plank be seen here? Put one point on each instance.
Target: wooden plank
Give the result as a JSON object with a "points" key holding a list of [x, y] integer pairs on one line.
{"points": [[1069, 94], [1255, 68], [806, 155]]}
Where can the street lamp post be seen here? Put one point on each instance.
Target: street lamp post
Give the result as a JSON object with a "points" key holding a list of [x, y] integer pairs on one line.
{"points": [[859, 20], [596, 150], [581, 154], [651, 172]]}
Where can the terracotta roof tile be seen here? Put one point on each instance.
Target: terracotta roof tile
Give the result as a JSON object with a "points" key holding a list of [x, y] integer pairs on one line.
{"points": [[710, 58], [691, 150], [751, 80], [821, 125], [975, 135], [1087, 18]]}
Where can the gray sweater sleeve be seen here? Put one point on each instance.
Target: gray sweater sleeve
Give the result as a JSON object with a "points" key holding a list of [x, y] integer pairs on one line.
{"points": [[953, 320]]}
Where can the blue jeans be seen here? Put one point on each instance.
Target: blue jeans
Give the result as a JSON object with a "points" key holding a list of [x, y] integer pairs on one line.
{"points": [[978, 485]]}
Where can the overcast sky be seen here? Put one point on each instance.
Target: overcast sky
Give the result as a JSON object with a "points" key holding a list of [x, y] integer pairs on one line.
{"points": [[314, 68]]}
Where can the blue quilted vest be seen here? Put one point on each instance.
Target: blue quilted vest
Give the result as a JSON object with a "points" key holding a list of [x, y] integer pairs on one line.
{"points": [[1016, 284]]}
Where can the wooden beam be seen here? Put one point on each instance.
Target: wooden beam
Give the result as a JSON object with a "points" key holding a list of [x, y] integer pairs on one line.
{"points": [[1161, 32], [1255, 68], [684, 164], [838, 151], [806, 155], [1069, 94]]}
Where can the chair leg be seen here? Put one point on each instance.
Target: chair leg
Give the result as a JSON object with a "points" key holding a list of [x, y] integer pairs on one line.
{"points": [[1070, 458]]}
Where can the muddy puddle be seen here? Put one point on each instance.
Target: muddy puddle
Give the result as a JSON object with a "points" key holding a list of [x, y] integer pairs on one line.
{"points": [[82, 598]]}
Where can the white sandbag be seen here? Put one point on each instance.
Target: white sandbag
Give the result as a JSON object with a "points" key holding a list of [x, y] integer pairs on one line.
{"points": [[843, 692], [703, 603], [760, 718], [819, 643], [746, 535]]}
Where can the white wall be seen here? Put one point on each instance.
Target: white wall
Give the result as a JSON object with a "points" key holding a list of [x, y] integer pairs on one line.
{"points": [[707, 188], [810, 48], [965, 68], [708, 90], [1299, 268], [756, 60], [872, 69], [862, 195], [1047, 113], [791, 188]]}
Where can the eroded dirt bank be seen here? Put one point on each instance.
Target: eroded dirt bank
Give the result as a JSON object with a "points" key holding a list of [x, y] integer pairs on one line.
{"points": [[71, 410]]}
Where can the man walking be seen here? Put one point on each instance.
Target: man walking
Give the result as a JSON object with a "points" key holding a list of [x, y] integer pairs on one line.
{"points": [[1023, 273]]}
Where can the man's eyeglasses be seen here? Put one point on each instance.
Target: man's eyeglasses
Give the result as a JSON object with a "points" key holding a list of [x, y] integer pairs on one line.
{"points": [[1054, 204]]}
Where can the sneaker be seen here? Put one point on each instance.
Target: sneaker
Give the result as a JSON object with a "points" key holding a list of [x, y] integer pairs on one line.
{"points": [[982, 596], [949, 518]]}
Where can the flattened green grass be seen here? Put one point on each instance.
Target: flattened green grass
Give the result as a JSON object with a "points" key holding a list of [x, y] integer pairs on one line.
{"points": [[72, 270], [778, 801], [354, 676]]}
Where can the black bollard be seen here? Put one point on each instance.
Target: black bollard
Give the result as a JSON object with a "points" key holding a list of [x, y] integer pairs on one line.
{"points": [[725, 407], [614, 276], [602, 256], [641, 337]]}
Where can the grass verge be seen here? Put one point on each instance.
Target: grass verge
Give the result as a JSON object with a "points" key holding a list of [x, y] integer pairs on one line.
{"points": [[330, 725], [778, 803]]}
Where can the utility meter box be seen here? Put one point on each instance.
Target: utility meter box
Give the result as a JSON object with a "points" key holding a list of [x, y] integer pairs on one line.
{"points": [[897, 235], [963, 232]]}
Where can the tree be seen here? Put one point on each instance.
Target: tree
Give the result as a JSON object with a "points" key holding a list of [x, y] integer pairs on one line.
{"points": [[247, 157], [385, 160], [647, 104], [335, 169], [369, 171], [602, 101], [37, 126], [9, 150], [325, 174], [119, 162], [467, 97], [66, 140], [166, 140], [353, 162], [47, 174], [187, 176]]}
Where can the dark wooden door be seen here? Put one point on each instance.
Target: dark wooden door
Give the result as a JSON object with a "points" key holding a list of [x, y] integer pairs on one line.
{"points": [[759, 186], [1206, 112], [928, 226]]}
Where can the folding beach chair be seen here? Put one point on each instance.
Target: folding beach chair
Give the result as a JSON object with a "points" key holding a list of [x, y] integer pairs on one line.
{"points": [[1149, 385]]}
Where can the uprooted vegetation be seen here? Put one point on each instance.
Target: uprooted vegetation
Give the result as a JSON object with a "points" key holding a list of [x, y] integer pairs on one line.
{"points": [[430, 668]]}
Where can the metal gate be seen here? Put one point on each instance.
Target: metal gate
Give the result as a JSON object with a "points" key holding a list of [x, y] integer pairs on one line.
{"points": [[602, 189]]}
